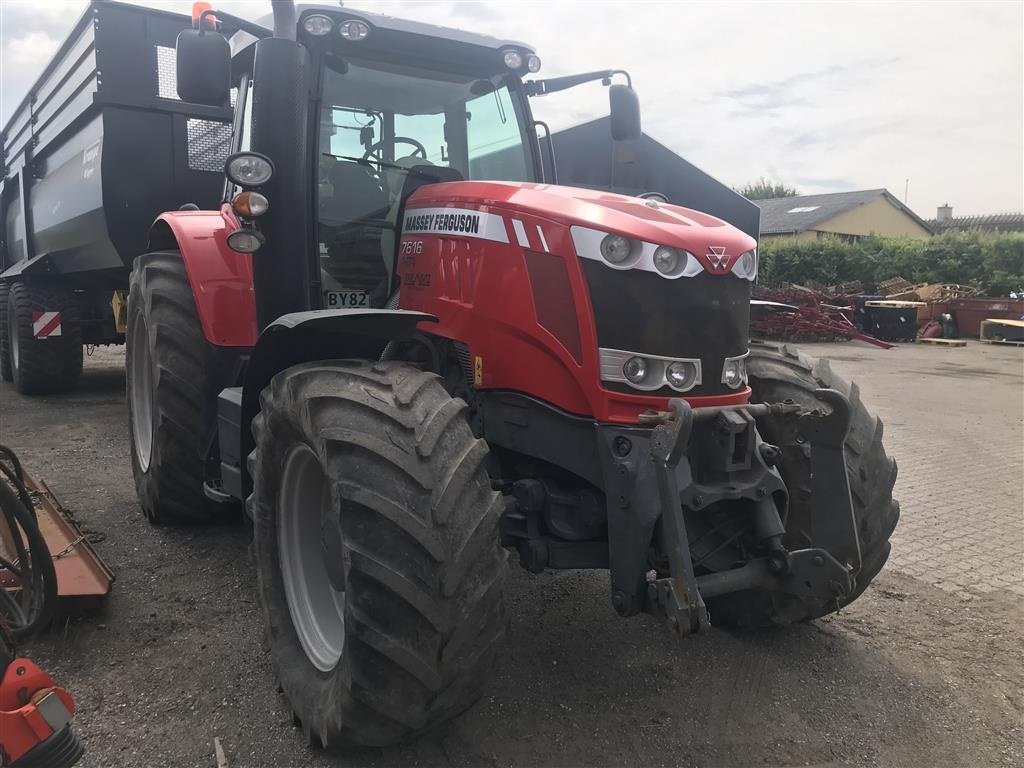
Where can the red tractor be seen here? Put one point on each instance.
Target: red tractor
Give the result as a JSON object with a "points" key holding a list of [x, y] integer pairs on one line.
{"points": [[407, 353]]}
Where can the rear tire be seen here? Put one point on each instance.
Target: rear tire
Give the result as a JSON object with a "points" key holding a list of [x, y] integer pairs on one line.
{"points": [[166, 362], [5, 355], [778, 373], [403, 604], [41, 366]]}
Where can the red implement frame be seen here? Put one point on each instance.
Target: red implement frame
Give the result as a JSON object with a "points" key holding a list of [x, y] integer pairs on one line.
{"points": [[807, 313], [81, 574]]}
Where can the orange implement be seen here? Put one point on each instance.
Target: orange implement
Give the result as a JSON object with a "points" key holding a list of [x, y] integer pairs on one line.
{"points": [[80, 571]]}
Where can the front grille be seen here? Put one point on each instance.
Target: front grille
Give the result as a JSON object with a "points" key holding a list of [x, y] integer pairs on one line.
{"points": [[704, 317]]}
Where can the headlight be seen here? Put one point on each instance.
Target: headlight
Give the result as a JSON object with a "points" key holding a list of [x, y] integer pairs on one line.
{"points": [[620, 251], [616, 249], [746, 265], [533, 62], [682, 375], [734, 372], [318, 25], [354, 30], [249, 169], [245, 241], [666, 260], [648, 373], [250, 204], [635, 369], [513, 59]]}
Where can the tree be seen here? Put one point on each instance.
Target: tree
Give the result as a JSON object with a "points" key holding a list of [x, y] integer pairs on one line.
{"points": [[763, 189]]}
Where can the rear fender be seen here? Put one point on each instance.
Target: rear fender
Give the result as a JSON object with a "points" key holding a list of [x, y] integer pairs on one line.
{"points": [[303, 337], [221, 278]]}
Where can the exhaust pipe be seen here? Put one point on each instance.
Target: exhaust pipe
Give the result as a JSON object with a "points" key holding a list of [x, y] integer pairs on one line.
{"points": [[284, 18]]}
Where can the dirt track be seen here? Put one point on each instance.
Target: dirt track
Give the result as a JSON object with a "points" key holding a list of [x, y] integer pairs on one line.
{"points": [[918, 672]]}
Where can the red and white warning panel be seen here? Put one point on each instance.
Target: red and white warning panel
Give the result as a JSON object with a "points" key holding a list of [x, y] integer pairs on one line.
{"points": [[45, 324]]}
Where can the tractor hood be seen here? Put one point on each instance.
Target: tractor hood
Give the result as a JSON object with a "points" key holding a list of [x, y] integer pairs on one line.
{"points": [[716, 244]]}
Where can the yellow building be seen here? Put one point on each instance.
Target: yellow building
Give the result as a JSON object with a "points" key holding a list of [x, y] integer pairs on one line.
{"points": [[849, 215]]}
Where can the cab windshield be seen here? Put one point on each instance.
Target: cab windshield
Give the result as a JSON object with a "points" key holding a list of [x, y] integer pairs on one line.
{"points": [[383, 126]]}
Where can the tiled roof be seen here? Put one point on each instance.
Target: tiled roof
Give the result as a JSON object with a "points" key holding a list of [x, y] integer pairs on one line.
{"points": [[784, 215], [1004, 222]]}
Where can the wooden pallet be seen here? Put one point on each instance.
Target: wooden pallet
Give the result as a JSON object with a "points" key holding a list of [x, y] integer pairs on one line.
{"points": [[944, 342], [995, 331], [1003, 341], [894, 304]]}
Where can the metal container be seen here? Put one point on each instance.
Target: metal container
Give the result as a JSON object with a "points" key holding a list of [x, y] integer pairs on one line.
{"points": [[99, 146]]}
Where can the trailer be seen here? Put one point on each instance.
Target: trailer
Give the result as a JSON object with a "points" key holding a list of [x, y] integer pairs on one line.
{"points": [[99, 146]]}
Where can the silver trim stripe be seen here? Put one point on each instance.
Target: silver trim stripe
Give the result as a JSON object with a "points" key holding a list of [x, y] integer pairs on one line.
{"points": [[543, 240], [517, 225]]}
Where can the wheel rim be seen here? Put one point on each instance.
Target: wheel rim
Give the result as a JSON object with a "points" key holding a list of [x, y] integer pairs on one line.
{"points": [[316, 606], [12, 333], [141, 393]]}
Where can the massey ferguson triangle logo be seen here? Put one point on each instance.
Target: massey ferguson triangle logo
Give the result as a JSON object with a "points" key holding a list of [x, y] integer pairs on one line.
{"points": [[716, 255]]}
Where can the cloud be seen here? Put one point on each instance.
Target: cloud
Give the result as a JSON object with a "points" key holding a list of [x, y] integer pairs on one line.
{"points": [[819, 95]]}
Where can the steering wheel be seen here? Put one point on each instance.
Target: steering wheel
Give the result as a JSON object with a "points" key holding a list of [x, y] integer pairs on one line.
{"points": [[374, 149]]}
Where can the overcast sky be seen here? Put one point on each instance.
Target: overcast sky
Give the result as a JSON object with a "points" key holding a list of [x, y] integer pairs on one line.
{"points": [[822, 96]]}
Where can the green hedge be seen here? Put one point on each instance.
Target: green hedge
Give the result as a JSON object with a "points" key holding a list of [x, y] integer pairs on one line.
{"points": [[993, 263]]}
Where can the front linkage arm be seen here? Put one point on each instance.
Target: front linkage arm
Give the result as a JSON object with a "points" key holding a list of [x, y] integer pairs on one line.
{"points": [[655, 480]]}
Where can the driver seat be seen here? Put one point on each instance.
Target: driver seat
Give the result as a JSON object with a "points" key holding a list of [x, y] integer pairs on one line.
{"points": [[357, 194], [350, 221]]}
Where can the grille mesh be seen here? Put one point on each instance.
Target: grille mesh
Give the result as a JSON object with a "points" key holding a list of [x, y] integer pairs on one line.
{"points": [[167, 73], [209, 142]]}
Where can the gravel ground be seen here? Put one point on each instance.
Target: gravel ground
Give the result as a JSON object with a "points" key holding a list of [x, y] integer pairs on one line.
{"points": [[924, 670]]}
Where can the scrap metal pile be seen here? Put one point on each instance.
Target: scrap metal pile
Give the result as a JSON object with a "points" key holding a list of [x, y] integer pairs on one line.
{"points": [[798, 313], [897, 311]]}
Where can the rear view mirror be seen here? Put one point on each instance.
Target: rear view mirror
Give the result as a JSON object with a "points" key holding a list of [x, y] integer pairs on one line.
{"points": [[204, 67], [625, 113]]}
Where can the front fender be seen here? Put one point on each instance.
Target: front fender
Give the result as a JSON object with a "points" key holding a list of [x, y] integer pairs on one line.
{"points": [[328, 334], [221, 278]]}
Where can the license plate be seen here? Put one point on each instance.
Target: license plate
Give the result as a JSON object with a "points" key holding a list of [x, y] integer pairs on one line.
{"points": [[346, 299]]}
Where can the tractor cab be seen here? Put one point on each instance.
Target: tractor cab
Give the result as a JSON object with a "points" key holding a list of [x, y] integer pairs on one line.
{"points": [[385, 107]]}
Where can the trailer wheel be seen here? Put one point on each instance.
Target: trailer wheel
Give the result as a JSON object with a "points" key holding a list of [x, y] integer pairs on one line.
{"points": [[778, 373], [5, 355], [51, 362], [166, 364], [377, 555]]}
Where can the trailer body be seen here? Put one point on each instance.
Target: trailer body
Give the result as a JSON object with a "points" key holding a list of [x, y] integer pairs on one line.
{"points": [[99, 147]]}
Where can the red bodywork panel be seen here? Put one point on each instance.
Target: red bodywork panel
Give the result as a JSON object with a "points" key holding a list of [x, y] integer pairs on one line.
{"points": [[478, 283], [221, 278]]}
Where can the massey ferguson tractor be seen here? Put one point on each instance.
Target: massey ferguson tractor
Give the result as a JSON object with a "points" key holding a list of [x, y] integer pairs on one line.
{"points": [[407, 352]]}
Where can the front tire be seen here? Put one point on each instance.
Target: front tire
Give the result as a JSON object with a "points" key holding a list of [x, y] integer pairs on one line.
{"points": [[778, 373], [166, 362], [377, 553]]}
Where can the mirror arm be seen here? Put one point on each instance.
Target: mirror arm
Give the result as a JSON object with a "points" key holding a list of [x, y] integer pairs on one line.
{"points": [[554, 84], [235, 24]]}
